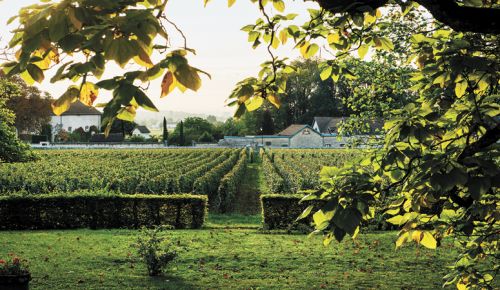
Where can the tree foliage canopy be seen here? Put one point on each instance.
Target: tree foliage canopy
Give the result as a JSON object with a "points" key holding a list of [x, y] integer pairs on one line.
{"points": [[438, 167], [31, 107], [11, 148]]}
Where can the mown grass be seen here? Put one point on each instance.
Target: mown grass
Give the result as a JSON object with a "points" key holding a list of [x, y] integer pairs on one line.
{"points": [[223, 257]]}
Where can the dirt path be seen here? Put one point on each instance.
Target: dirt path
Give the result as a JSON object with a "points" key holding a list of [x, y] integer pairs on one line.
{"points": [[248, 201]]}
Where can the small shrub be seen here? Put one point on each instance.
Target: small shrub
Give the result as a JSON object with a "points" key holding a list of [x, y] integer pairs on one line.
{"points": [[155, 250]]}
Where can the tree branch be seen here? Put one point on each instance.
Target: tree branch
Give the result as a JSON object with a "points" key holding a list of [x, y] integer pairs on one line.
{"points": [[458, 17]]}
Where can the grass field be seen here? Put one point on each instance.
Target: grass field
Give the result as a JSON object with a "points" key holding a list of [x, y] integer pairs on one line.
{"points": [[229, 253]]}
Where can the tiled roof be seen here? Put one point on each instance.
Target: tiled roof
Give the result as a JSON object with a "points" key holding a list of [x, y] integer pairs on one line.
{"points": [[79, 108], [143, 129], [328, 124], [291, 130]]}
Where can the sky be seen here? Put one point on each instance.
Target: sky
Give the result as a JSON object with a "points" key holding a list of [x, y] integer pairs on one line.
{"points": [[221, 50]]}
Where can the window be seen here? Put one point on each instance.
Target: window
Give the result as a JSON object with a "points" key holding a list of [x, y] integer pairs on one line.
{"points": [[69, 129], [268, 143], [86, 128], [284, 145]]}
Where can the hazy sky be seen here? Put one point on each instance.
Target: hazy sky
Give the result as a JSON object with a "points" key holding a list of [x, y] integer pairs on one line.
{"points": [[214, 32]]}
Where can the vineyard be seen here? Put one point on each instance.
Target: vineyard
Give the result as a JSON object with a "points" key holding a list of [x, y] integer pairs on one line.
{"points": [[214, 173], [128, 171], [294, 170]]}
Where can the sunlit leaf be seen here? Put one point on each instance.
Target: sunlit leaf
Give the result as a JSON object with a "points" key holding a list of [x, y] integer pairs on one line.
{"points": [[88, 93], [62, 104], [167, 84], [274, 100], [254, 103]]}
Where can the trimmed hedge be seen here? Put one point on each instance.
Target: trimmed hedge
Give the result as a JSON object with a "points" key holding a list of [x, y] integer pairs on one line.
{"points": [[279, 211], [101, 210]]}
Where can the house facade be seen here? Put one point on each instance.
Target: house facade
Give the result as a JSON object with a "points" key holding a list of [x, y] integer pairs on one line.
{"points": [[77, 116], [142, 131], [322, 133], [295, 136]]}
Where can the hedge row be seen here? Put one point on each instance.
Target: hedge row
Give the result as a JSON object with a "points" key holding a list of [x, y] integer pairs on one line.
{"points": [[279, 211], [100, 210], [229, 185]]}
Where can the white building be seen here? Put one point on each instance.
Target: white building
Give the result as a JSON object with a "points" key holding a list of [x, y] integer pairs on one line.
{"points": [[78, 115], [327, 125], [323, 133], [142, 131], [295, 136]]}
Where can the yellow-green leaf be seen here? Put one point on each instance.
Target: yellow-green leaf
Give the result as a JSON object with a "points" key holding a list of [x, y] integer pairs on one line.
{"points": [[127, 113], [88, 93], [428, 240], [188, 77], [279, 5], [397, 220], [362, 50], [35, 72], [402, 239], [274, 100], [254, 103], [309, 50], [460, 88], [62, 104], [333, 38], [283, 36]]}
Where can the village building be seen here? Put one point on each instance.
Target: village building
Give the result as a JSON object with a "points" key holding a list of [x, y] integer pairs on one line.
{"points": [[323, 133], [294, 136], [142, 131], [77, 116], [327, 125]]}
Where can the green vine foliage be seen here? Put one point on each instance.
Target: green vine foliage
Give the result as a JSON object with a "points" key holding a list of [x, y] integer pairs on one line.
{"points": [[438, 164], [11, 148]]}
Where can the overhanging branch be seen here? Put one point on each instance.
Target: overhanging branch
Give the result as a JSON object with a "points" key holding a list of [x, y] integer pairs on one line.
{"points": [[459, 18]]}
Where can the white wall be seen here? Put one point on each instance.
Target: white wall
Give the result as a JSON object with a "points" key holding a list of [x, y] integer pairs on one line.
{"points": [[306, 138], [136, 132], [76, 121]]}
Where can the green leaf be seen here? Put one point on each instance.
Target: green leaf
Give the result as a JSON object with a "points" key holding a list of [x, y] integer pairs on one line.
{"points": [[383, 43], [478, 186], [121, 50], [347, 219], [35, 72], [58, 25], [305, 213], [188, 77], [144, 101], [110, 84], [62, 104], [127, 114]]}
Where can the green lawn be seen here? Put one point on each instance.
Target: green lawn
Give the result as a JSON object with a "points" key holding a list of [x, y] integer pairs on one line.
{"points": [[230, 253]]}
